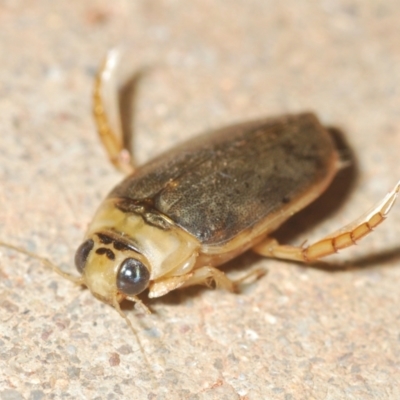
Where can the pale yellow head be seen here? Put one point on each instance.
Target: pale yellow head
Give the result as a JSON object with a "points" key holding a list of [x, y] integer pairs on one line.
{"points": [[123, 254], [112, 269]]}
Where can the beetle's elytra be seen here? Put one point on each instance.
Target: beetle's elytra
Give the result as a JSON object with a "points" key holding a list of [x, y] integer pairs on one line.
{"points": [[174, 220]]}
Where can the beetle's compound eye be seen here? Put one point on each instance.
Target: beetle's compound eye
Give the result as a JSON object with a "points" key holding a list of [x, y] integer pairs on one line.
{"points": [[133, 277], [82, 254]]}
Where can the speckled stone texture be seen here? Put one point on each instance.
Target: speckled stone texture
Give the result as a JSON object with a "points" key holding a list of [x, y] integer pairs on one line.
{"points": [[297, 333]]}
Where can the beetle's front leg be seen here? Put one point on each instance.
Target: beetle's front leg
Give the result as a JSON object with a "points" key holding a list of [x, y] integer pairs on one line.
{"points": [[138, 304], [344, 237]]}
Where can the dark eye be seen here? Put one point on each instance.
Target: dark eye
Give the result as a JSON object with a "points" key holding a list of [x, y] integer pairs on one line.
{"points": [[133, 277], [82, 254]]}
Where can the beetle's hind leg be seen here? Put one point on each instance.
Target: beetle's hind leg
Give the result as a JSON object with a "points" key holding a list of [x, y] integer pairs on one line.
{"points": [[344, 237], [114, 134], [208, 276]]}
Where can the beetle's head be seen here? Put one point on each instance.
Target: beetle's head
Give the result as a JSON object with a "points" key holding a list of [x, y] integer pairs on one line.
{"points": [[112, 268]]}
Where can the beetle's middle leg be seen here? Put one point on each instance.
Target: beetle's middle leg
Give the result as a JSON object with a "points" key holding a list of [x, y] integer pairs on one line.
{"points": [[210, 276], [200, 276], [344, 237]]}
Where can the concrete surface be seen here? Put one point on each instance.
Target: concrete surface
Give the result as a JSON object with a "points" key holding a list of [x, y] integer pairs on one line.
{"points": [[297, 333]]}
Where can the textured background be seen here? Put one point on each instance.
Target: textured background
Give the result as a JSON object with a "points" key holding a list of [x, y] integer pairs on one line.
{"points": [[297, 333]]}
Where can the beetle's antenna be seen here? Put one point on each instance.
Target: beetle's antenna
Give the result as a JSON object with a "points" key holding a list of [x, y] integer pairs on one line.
{"points": [[75, 279]]}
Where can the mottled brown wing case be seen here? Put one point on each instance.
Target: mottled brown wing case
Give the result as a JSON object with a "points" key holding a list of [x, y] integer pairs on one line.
{"points": [[221, 183]]}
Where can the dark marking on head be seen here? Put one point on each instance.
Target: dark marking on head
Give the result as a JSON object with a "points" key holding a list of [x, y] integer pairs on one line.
{"points": [[117, 240], [286, 199], [109, 253], [120, 246], [104, 238]]}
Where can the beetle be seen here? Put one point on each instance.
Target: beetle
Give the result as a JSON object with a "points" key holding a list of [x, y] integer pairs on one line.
{"points": [[173, 221]]}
